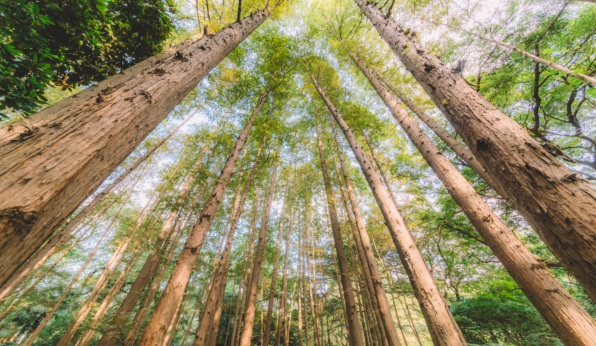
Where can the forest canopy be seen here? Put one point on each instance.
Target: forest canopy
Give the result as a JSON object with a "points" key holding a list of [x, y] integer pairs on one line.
{"points": [[334, 172]]}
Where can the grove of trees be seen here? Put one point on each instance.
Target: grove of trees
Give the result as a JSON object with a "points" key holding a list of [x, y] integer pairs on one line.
{"points": [[295, 172]]}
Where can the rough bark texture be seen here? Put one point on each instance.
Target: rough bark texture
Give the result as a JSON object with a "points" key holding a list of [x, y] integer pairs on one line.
{"points": [[459, 149], [560, 206], [251, 300], [47, 172], [362, 238], [171, 297], [562, 312], [220, 277], [344, 270], [441, 325], [267, 334]]}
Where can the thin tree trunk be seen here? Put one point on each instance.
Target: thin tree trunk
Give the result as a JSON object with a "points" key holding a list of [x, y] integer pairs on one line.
{"points": [[304, 266], [240, 306], [249, 316], [174, 290], [35, 197], [313, 312], [151, 264], [558, 205], [442, 326], [537, 59], [50, 314], [267, 334], [353, 323], [459, 149], [220, 276], [284, 286], [562, 312], [367, 258], [196, 309], [214, 329], [288, 317], [342, 300], [299, 279]]}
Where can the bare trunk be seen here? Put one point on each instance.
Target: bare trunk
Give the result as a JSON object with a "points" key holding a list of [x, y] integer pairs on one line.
{"points": [[86, 136], [342, 300], [267, 334], [353, 323], [363, 246], [220, 276], [313, 310], [559, 205], [284, 287], [151, 264], [249, 315], [300, 278], [459, 149], [288, 317], [174, 290], [192, 317], [441, 325], [562, 312], [214, 329]]}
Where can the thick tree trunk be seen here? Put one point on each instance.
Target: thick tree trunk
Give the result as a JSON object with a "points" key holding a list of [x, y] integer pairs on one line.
{"points": [[562, 312], [361, 238], [220, 276], [460, 150], [249, 315], [267, 334], [344, 270], [174, 290], [76, 143], [559, 205], [441, 325]]}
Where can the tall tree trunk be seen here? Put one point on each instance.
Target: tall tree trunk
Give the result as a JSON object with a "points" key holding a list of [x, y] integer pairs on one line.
{"points": [[284, 286], [304, 266], [459, 149], [559, 206], [353, 323], [364, 249], [174, 290], [192, 317], [313, 312], [267, 334], [240, 306], [220, 276], [341, 298], [249, 315], [441, 325], [288, 317], [89, 134], [151, 264], [562, 312]]}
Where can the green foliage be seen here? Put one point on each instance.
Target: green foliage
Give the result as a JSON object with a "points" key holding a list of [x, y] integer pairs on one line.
{"points": [[502, 316], [68, 43]]}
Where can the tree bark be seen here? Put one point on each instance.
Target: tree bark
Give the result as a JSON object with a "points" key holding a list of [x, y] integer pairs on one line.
{"points": [[220, 276], [267, 334], [353, 323], [249, 315], [562, 312], [441, 325], [174, 290], [558, 205], [369, 260], [460, 150], [75, 144], [288, 317]]}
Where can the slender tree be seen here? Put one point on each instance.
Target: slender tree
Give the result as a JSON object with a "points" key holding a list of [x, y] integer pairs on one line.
{"points": [[442, 326], [249, 314], [353, 323]]}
